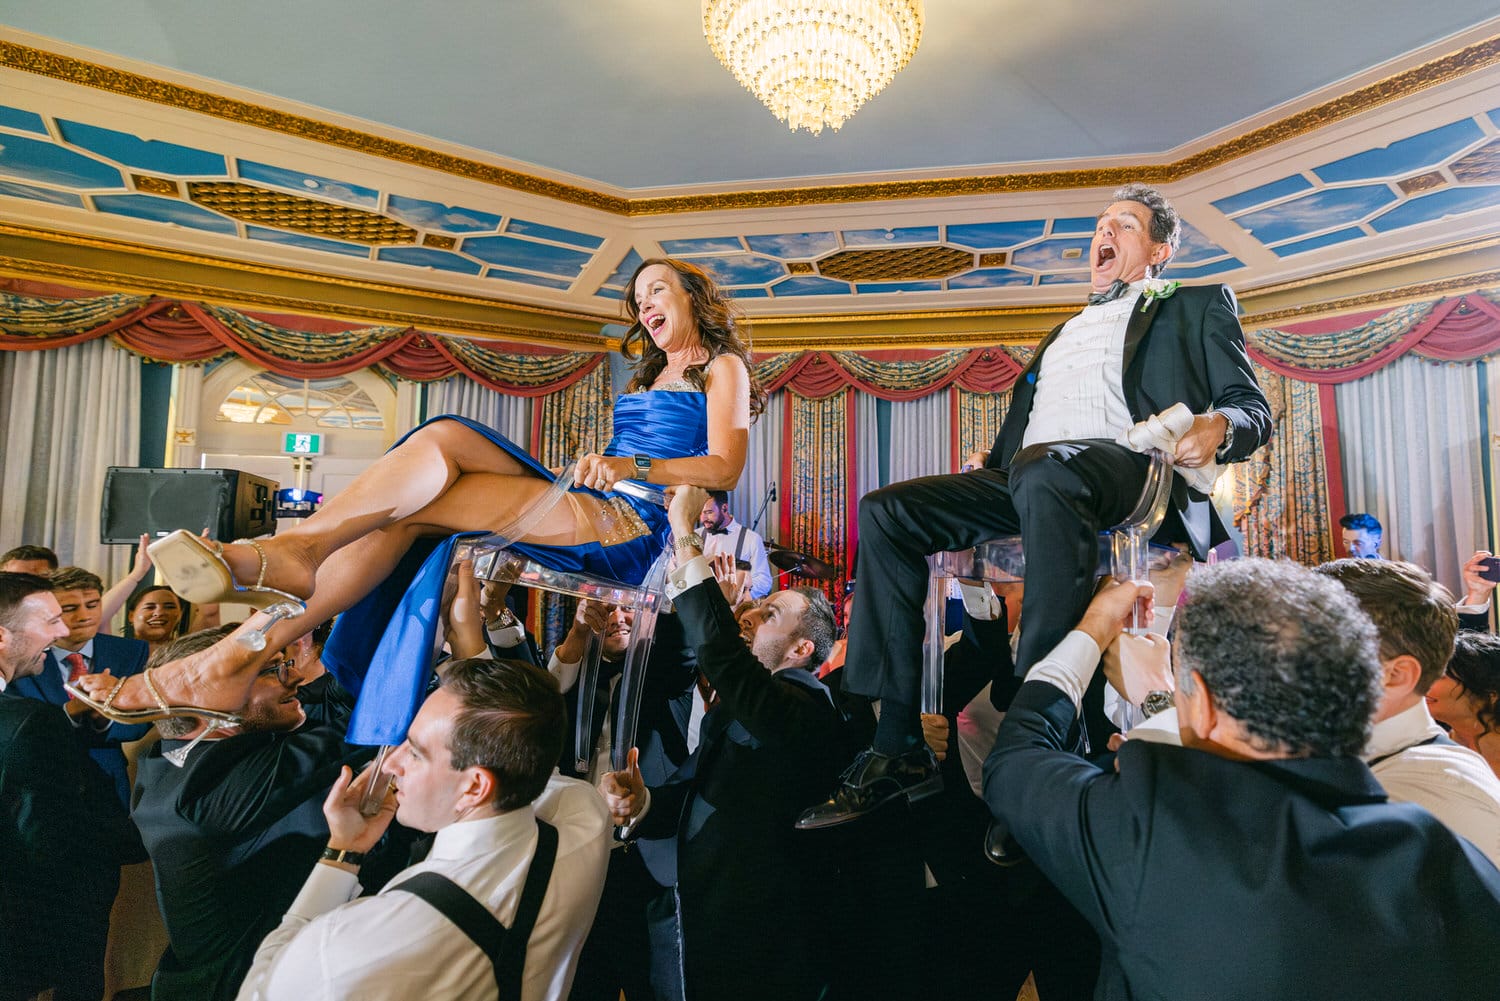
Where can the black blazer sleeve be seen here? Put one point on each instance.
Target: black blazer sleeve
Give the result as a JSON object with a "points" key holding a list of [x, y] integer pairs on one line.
{"points": [[1232, 383], [773, 712], [1073, 819]]}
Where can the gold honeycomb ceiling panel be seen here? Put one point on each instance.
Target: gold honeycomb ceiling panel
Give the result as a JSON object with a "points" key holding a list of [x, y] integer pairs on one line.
{"points": [[895, 264], [1480, 166], [304, 215], [155, 185]]}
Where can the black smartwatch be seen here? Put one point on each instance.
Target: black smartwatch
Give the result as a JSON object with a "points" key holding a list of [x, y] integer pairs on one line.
{"points": [[642, 465]]}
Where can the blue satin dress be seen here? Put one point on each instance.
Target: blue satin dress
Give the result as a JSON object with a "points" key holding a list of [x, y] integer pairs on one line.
{"points": [[382, 648]]}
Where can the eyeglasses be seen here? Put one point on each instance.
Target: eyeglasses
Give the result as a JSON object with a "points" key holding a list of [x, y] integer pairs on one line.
{"points": [[285, 669]]}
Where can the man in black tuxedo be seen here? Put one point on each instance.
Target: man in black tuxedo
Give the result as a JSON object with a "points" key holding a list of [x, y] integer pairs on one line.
{"points": [[1056, 475], [736, 920], [1262, 859], [63, 833], [85, 651], [234, 830]]}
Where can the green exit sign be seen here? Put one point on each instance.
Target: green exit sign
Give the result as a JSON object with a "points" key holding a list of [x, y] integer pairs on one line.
{"points": [[297, 443]]}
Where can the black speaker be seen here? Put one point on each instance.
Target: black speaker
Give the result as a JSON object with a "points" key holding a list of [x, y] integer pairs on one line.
{"points": [[229, 503]]}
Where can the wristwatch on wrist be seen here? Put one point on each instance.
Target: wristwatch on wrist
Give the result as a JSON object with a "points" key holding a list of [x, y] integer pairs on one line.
{"points": [[1228, 442], [1156, 702], [642, 465], [345, 855]]}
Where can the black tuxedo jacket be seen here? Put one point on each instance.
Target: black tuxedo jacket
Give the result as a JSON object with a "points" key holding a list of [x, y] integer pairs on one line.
{"points": [[63, 837], [1212, 878], [744, 880], [1186, 348], [233, 835], [122, 658]]}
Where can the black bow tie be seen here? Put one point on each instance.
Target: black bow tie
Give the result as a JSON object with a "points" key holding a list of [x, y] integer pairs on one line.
{"points": [[1115, 290], [718, 531]]}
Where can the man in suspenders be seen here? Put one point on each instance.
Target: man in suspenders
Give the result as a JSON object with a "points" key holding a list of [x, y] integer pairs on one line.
{"points": [[503, 902]]}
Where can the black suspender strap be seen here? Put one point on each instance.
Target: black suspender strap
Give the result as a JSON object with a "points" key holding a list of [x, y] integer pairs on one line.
{"points": [[506, 948], [1437, 738], [739, 545]]}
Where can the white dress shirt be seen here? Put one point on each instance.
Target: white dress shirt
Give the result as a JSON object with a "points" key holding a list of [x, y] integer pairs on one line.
{"points": [[331, 946], [1452, 783], [1080, 387], [752, 550], [55, 655]]}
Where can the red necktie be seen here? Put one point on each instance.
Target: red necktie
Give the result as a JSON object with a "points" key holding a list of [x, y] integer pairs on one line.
{"points": [[76, 667]]}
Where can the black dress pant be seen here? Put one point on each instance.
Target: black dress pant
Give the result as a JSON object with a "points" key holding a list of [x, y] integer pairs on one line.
{"points": [[1057, 496]]}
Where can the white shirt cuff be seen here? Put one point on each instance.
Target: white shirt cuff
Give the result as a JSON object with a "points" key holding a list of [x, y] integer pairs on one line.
{"points": [[1480, 609], [1070, 666], [627, 829], [687, 575], [327, 887], [1159, 729], [506, 637], [979, 601]]}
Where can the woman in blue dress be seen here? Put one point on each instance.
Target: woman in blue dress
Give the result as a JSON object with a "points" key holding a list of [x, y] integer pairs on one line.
{"points": [[684, 419]]}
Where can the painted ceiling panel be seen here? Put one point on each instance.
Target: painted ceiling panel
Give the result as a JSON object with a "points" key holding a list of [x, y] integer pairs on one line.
{"points": [[744, 269], [809, 286], [15, 189], [1438, 205], [616, 281], [512, 252], [997, 235], [143, 154], [1203, 270], [1065, 254], [875, 288], [1403, 156], [309, 184], [555, 233], [443, 218], [1318, 242], [890, 237], [425, 257], [306, 242], [22, 121], [1263, 194], [1074, 226], [1318, 211], [168, 210], [1195, 247], [525, 279], [993, 278], [702, 245], [794, 246], [29, 159]]}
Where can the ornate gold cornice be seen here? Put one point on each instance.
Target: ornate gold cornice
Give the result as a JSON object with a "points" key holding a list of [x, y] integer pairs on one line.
{"points": [[115, 266], [1480, 55], [1387, 298]]}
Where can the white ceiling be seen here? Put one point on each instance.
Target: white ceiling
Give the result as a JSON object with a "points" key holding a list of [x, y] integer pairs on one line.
{"points": [[627, 93]]}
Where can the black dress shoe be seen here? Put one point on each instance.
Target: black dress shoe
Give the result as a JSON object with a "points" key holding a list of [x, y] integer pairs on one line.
{"points": [[1000, 848], [874, 780]]}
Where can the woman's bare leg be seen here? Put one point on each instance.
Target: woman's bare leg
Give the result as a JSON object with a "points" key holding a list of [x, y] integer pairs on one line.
{"points": [[221, 676], [398, 486]]}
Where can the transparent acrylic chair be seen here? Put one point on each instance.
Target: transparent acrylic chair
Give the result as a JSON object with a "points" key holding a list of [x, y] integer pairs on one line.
{"points": [[1125, 552], [493, 559]]}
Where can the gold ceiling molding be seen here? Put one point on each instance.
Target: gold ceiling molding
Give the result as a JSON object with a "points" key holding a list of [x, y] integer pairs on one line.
{"points": [[1444, 288], [1478, 56]]}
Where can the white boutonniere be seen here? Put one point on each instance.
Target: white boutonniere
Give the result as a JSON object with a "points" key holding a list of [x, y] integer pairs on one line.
{"points": [[1156, 288]]}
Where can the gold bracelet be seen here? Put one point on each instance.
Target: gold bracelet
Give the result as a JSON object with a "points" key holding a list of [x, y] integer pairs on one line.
{"points": [[692, 539]]}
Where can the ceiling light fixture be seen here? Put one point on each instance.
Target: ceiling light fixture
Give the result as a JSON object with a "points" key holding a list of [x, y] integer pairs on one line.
{"points": [[813, 62]]}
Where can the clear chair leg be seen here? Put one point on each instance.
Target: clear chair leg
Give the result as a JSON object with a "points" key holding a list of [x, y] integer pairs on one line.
{"points": [[178, 756]]}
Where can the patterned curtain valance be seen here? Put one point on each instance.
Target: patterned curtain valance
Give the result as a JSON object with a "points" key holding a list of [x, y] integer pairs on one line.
{"points": [[1349, 347], [891, 375], [34, 316]]}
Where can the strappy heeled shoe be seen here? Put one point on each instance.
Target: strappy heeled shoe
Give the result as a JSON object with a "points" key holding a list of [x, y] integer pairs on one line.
{"points": [[196, 569], [162, 711]]}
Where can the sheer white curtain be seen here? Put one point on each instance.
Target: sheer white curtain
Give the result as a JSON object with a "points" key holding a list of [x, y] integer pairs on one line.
{"points": [[510, 415], [1411, 437], [762, 468], [921, 443], [67, 414], [867, 445]]}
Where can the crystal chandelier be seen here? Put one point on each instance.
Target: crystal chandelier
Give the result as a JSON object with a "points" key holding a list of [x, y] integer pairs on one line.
{"points": [[813, 62]]}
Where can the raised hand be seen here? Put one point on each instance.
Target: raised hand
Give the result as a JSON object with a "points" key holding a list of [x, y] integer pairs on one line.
{"points": [[624, 791]]}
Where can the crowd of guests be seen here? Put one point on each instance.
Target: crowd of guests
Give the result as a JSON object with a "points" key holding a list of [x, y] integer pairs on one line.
{"points": [[1250, 780], [273, 883]]}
